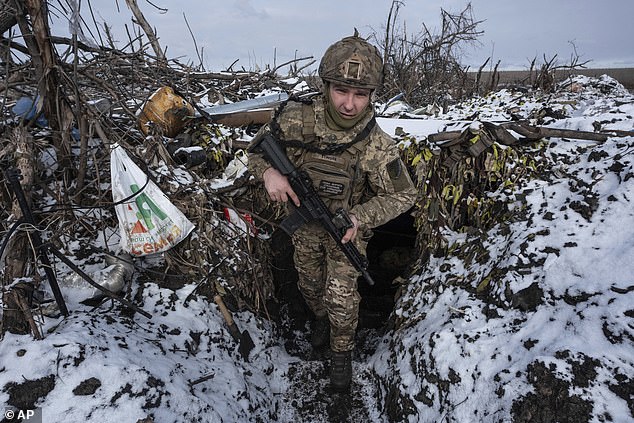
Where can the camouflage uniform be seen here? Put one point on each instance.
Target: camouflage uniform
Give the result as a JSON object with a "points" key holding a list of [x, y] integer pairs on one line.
{"points": [[377, 188]]}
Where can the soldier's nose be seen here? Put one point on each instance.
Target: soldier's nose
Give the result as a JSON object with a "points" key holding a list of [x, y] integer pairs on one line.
{"points": [[348, 103]]}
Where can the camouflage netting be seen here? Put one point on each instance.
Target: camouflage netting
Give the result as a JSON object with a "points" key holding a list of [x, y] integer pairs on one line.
{"points": [[456, 179]]}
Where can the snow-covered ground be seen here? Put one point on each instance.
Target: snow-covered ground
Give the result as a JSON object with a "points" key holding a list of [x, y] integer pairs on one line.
{"points": [[566, 357], [457, 355]]}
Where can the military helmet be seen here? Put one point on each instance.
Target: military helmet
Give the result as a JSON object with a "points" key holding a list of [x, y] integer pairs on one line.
{"points": [[352, 61]]}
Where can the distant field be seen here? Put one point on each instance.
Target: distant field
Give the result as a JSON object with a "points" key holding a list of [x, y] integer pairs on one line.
{"points": [[624, 75]]}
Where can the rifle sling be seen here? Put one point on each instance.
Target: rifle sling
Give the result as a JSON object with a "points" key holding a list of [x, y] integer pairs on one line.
{"points": [[334, 148], [308, 132]]}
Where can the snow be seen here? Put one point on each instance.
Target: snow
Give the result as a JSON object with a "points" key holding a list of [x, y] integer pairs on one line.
{"points": [[146, 366], [589, 256]]}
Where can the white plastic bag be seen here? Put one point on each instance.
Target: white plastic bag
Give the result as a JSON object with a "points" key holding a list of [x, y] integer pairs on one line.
{"points": [[149, 223], [237, 166]]}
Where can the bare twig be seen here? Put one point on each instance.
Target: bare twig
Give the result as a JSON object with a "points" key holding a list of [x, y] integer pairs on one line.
{"points": [[198, 52], [149, 32]]}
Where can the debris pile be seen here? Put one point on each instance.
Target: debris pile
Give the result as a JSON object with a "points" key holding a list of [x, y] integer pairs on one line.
{"points": [[184, 144]]}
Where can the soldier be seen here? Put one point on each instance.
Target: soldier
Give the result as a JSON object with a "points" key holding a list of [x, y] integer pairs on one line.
{"points": [[353, 164]]}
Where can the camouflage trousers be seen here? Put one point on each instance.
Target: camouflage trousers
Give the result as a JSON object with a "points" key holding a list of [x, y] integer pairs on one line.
{"points": [[328, 283]]}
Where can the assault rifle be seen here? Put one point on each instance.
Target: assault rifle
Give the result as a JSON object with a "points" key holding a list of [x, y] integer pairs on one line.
{"points": [[312, 207]]}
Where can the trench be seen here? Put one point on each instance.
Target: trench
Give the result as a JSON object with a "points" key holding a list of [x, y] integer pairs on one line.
{"points": [[390, 252]]}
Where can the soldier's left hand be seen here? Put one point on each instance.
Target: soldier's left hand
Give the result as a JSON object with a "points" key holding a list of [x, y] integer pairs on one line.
{"points": [[352, 232]]}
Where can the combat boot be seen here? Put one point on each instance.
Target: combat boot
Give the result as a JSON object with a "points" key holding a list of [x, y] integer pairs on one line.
{"points": [[341, 371], [321, 332]]}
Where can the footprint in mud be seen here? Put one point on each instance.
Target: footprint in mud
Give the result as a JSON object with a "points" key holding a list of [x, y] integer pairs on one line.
{"points": [[309, 398]]}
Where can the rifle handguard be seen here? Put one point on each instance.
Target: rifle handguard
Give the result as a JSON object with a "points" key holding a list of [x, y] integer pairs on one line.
{"points": [[342, 220]]}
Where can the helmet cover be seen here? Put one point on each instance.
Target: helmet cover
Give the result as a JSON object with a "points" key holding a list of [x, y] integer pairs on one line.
{"points": [[352, 61]]}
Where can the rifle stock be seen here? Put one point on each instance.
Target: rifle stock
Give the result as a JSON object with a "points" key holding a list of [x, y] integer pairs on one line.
{"points": [[312, 207]]}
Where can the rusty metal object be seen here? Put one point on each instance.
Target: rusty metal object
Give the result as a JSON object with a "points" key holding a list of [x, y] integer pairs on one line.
{"points": [[167, 111]]}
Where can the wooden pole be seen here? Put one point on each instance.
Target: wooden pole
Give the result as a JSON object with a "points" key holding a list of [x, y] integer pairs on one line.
{"points": [[147, 28], [52, 101]]}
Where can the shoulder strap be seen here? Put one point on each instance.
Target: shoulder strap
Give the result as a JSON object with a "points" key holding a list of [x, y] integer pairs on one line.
{"points": [[308, 128], [274, 124]]}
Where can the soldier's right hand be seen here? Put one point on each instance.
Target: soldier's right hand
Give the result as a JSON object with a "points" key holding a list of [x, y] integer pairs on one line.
{"points": [[278, 187]]}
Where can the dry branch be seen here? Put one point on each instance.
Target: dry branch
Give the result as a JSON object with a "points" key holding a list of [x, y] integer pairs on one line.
{"points": [[18, 247], [120, 81], [538, 132], [147, 28], [500, 133]]}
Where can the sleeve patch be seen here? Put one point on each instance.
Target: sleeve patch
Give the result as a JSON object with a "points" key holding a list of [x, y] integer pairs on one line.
{"points": [[394, 169], [398, 175]]}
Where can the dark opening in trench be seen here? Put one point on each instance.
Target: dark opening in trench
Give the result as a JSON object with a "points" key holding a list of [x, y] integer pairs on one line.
{"points": [[390, 251]]}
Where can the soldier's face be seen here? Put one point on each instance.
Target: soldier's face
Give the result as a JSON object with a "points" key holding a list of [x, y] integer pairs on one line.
{"points": [[349, 101]]}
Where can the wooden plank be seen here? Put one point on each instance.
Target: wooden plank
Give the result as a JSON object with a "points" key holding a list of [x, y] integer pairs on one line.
{"points": [[251, 117]]}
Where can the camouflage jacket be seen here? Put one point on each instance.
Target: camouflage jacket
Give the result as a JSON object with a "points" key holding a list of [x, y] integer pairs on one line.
{"points": [[382, 188]]}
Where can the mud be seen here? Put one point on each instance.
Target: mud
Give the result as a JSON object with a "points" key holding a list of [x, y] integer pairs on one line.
{"points": [[551, 401], [25, 395]]}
